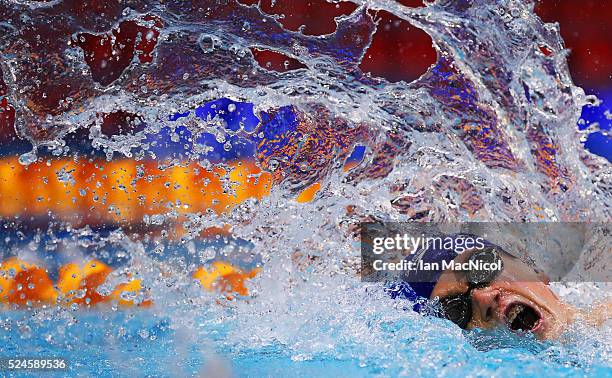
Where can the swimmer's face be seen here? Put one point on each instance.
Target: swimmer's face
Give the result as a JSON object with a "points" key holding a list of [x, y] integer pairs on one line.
{"points": [[519, 298]]}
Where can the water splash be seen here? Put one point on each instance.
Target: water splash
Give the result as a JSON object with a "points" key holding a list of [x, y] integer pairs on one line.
{"points": [[141, 100]]}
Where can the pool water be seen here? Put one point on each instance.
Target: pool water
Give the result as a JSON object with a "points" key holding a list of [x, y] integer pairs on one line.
{"points": [[380, 340], [172, 207]]}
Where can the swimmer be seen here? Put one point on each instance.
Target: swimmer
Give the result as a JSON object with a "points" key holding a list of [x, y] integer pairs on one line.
{"points": [[516, 296]]}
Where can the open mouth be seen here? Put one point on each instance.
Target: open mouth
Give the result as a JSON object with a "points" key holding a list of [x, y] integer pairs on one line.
{"points": [[522, 317]]}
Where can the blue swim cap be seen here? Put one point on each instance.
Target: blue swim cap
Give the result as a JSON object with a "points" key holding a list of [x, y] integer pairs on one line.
{"points": [[417, 285]]}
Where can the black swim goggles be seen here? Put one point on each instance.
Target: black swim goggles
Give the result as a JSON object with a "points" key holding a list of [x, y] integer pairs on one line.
{"points": [[458, 308]]}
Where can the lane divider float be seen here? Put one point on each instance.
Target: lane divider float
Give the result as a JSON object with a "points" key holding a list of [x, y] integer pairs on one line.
{"points": [[25, 285]]}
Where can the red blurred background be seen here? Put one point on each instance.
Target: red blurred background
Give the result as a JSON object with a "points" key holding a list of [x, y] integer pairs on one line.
{"points": [[402, 52], [399, 50]]}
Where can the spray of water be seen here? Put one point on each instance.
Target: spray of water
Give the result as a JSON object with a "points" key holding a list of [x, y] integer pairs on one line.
{"points": [[488, 133]]}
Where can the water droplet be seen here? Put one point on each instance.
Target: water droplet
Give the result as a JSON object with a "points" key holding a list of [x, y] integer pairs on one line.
{"points": [[28, 158]]}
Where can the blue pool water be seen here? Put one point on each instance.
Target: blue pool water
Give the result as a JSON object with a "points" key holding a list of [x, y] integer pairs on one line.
{"points": [[144, 344], [488, 133]]}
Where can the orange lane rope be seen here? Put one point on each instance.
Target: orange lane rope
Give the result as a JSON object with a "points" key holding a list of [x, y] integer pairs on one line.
{"points": [[121, 191], [127, 191], [23, 284], [124, 191]]}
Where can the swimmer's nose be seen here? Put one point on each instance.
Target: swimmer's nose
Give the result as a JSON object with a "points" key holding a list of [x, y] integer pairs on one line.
{"points": [[485, 304]]}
